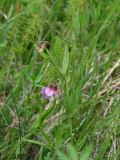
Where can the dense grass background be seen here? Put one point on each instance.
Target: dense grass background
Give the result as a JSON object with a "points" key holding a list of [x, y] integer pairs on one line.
{"points": [[82, 59]]}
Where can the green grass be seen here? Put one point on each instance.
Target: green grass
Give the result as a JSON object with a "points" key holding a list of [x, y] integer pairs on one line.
{"points": [[82, 59]]}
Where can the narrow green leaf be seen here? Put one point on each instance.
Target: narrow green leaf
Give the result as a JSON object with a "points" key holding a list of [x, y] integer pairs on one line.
{"points": [[62, 156], [72, 152], [86, 153], [35, 142], [65, 61]]}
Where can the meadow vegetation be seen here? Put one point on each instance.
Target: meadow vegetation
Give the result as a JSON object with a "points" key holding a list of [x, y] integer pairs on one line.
{"points": [[74, 45]]}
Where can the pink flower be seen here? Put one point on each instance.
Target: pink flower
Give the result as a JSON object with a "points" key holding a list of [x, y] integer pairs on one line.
{"points": [[50, 91]]}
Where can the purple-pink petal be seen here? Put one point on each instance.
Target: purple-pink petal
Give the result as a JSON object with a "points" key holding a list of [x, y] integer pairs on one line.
{"points": [[43, 92], [49, 91]]}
